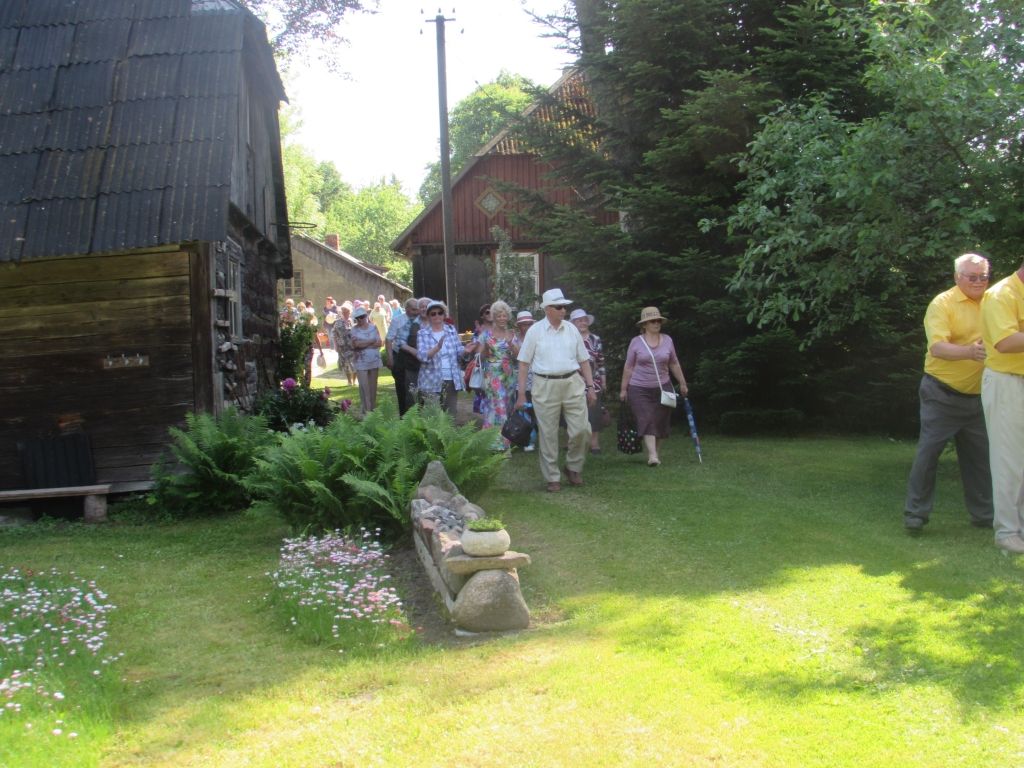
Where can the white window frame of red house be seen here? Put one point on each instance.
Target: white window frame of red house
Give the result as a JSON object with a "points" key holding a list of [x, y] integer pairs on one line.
{"points": [[521, 255]]}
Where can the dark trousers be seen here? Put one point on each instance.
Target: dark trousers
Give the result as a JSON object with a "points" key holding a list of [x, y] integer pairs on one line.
{"points": [[946, 415], [402, 390]]}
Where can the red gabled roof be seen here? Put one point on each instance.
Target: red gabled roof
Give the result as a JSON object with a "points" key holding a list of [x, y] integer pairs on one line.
{"points": [[507, 157]]}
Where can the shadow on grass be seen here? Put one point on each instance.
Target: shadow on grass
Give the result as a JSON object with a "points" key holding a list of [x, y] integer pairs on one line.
{"points": [[759, 521]]}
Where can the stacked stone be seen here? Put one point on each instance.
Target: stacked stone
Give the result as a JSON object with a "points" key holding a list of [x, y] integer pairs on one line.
{"points": [[481, 594]]}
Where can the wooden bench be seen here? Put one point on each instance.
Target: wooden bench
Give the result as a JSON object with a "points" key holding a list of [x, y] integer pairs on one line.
{"points": [[95, 505]]}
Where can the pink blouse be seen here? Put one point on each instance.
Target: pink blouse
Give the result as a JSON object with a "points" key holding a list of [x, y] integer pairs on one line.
{"points": [[639, 358]]}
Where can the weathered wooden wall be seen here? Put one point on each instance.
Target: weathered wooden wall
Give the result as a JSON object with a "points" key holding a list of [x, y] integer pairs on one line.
{"points": [[62, 319]]}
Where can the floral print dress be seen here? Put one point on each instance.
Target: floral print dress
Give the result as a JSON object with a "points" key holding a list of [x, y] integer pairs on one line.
{"points": [[501, 372]]}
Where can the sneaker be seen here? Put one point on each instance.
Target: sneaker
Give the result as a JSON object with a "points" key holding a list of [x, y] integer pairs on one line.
{"points": [[529, 449], [912, 523], [1013, 544]]}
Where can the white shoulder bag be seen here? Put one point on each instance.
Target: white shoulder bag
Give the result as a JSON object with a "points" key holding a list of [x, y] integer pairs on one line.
{"points": [[668, 399]]}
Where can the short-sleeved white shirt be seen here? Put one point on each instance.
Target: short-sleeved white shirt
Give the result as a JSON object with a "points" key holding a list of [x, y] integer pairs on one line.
{"points": [[551, 351]]}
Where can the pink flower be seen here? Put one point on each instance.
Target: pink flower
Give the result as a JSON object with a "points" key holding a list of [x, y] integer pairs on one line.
{"points": [[289, 384]]}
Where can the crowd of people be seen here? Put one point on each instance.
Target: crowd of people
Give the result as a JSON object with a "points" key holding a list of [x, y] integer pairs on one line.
{"points": [[552, 368]]}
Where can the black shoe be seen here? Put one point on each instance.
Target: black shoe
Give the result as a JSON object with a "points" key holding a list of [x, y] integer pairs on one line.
{"points": [[981, 523], [913, 524]]}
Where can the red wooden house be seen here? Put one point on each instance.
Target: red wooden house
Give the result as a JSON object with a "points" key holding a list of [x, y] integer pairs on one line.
{"points": [[479, 206]]}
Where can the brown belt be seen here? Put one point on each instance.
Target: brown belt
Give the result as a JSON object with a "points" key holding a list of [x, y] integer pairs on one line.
{"points": [[555, 375]]}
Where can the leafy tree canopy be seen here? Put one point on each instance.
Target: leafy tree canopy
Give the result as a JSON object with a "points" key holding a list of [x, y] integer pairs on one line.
{"points": [[367, 219], [295, 26], [849, 221], [476, 120]]}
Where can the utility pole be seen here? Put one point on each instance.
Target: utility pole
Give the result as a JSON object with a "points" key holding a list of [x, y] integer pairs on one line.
{"points": [[447, 215]]}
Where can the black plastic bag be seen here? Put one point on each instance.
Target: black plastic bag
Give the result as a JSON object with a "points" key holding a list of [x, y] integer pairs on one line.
{"points": [[517, 428]]}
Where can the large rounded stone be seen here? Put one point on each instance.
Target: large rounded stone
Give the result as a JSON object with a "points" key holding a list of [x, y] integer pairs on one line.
{"points": [[491, 602], [435, 475]]}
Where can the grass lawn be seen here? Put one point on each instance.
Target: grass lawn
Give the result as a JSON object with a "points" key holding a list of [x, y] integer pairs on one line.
{"points": [[764, 609]]}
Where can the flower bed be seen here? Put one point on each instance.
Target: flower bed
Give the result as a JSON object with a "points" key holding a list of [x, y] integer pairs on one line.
{"points": [[53, 632], [332, 589]]}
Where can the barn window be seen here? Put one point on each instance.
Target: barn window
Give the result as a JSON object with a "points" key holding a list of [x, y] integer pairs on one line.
{"points": [[519, 274], [293, 287], [234, 296]]}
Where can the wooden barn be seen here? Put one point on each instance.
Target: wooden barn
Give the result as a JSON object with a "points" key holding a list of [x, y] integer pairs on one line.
{"points": [[478, 205], [142, 227]]}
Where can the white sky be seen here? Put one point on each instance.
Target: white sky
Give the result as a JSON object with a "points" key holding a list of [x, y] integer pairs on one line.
{"points": [[384, 119]]}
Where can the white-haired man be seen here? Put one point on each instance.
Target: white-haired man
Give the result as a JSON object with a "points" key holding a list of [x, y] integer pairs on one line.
{"points": [[1002, 393], [554, 349], [950, 395]]}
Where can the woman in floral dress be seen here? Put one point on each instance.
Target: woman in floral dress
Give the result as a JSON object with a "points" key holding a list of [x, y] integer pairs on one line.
{"points": [[498, 350]]}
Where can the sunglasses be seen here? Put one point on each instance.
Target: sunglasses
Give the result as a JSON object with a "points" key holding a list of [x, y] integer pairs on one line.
{"points": [[434, 312]]}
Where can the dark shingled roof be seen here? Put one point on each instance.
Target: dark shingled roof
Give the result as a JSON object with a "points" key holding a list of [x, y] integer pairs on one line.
{"points": [[117, 122]]}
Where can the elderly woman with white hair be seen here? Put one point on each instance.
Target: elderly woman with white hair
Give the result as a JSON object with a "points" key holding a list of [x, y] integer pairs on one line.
{"points": [[438, 348], [366, 342], [497, 347]]}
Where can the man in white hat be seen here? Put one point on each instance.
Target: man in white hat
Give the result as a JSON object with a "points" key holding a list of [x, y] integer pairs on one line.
{"points": [[554, 349]]}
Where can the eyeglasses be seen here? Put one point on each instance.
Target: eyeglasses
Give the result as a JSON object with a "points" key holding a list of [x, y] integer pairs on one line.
{"points": [[983, 278], [560, 308], [434, 312]]}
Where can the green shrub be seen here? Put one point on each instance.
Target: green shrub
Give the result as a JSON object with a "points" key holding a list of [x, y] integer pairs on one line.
{"points": [[296, 343], [362, 474], [211, 456], [761, 422], [293, 404]]}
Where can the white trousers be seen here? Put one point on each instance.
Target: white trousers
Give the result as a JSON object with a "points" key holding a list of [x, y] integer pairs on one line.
{"points": [[1002, 397]]}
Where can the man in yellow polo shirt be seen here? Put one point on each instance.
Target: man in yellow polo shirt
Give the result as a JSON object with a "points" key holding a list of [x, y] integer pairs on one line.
{"points": [[950, 398], [1002, 393]]}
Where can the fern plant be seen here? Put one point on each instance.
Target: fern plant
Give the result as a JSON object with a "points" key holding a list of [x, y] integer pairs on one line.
{"points": [[209, 460], [362, 474]]}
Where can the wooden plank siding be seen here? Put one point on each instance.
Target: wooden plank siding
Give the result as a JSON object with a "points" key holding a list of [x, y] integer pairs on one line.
{"points": [[62, 318], [472, 224]]}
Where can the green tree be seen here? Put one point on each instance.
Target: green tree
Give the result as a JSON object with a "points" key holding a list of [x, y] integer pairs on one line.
{"points": [[476, 120], [680, 91], [302, 176], [297, 26], [854, 222], [368, 221]]}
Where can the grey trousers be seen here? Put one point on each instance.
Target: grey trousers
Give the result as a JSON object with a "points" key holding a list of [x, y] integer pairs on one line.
{"points": [[946, 416]]}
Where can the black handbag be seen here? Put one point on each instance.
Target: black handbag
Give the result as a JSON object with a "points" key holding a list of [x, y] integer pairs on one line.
{"points": [[517, 428], [627, 438]]}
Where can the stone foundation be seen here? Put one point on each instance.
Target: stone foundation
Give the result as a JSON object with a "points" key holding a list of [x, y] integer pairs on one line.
{"points": [[481, 594]]}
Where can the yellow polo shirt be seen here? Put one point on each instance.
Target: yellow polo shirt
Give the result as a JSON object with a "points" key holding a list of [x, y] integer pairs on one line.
{"points": [[952, 317], [1002, 314]]}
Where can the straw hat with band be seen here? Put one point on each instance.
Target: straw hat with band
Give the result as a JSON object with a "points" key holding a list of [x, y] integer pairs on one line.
{"points": [[648, 314]]}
